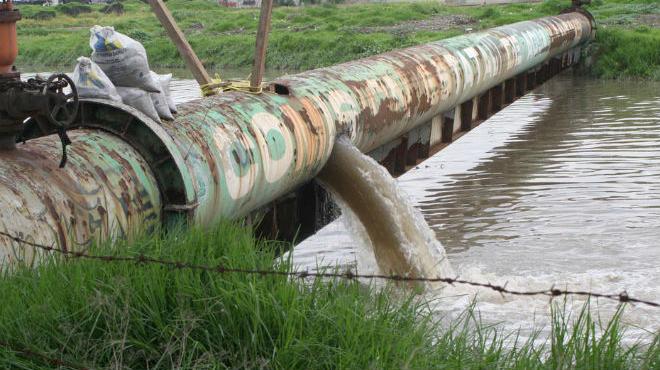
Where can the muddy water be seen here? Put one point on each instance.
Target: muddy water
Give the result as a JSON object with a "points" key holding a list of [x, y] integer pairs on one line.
{"points": [[561, 188], [400, 240]]}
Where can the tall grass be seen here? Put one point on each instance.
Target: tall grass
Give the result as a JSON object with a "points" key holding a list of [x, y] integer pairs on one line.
{"points": [[315, 36], [122, 315]]}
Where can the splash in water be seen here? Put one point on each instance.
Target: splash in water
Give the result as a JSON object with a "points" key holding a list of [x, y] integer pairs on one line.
{"points": [[402, 242]]}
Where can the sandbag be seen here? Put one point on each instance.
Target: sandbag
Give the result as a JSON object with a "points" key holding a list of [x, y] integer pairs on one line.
{"points": [[91, 82], [160, 101], [140, 100], [123, 59], [165, 81]]}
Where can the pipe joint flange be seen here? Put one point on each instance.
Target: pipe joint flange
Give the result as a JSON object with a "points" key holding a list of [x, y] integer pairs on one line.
{"points": [[150, 140], [583, 11]]}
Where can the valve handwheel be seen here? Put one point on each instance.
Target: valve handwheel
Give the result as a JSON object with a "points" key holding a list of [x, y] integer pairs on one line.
{"points": [[62, 107]]}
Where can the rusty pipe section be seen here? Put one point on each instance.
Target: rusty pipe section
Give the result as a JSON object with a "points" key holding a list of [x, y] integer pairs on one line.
{"points": [[230, 154], [106, 189], [384, 96]]}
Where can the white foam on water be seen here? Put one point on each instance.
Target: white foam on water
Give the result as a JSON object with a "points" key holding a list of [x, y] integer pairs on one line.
{"points": [[532, 314]]}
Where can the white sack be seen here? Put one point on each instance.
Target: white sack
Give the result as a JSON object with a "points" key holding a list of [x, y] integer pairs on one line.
{"points": [[165, 81], [123, 59], [140, 100], [91, 82], [160, 102]]}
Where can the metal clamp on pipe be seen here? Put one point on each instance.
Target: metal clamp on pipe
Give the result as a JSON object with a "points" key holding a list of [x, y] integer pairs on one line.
{"points": [[149, 139]]}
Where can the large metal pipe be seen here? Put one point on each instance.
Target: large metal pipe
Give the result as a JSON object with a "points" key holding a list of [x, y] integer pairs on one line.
{"points": [[227, 155]]}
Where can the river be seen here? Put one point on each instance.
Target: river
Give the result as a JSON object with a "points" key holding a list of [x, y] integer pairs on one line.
{"points": [[561, 188]]}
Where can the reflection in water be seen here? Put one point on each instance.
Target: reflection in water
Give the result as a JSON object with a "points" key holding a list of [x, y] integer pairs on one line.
{"points": [[579, 188], [562, 187]]}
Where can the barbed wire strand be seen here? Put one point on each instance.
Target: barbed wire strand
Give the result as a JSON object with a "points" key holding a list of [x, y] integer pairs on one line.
{"points": [[552, 292]]}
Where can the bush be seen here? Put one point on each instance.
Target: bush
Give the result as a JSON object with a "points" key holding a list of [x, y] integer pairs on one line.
{"points": [[113, 8], [43, 15], [285, 3], [74, 9]]}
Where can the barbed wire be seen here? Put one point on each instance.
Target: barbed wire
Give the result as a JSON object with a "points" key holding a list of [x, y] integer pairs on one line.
{"points": [[141, 259]]}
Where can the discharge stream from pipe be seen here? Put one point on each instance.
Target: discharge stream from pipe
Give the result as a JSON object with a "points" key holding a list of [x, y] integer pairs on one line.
{"points": [[402, 242]]}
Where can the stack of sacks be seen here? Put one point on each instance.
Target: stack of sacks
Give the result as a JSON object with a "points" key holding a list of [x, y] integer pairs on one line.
{"points": [[124, 62]]}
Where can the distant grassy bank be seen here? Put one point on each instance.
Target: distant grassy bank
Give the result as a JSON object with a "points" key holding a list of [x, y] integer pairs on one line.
{"points": [[316, 36], [123, 315]]}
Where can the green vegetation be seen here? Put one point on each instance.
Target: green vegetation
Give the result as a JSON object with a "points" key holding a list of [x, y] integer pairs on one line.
{"points": [[316, 36], [125, 315], [628, 53]]}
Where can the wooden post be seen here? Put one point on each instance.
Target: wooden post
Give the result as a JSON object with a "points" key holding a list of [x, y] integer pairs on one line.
{"points": [[466, 115], [510, 91], [400, 156], [448, 127], [425, 140], [521, 84], [262, 44], [485, 106], [179, 39], [497, 93]]}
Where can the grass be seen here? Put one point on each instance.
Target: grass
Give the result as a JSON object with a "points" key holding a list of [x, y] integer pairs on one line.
{"points": [[625, 53], [316, 36], [122, 315]]}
